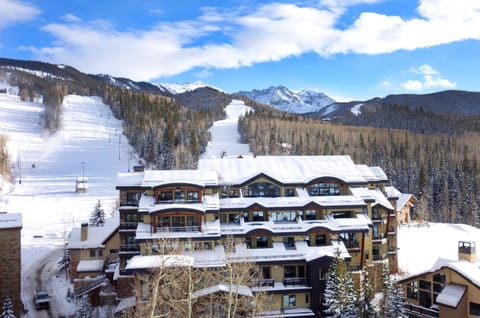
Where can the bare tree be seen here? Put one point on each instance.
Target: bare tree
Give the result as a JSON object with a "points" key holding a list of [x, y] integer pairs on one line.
{"points": [[178, 287]]}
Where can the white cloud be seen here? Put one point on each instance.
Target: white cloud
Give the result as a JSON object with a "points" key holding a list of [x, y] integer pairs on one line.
{"points": [[13, 12], [71, 18], [431, 79], [270, 32], [203, 74]]}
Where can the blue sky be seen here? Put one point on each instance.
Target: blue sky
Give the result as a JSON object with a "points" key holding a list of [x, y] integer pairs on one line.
{"points": [[349, 49]]}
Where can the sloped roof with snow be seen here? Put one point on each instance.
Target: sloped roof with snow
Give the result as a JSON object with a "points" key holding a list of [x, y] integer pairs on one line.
{"points": [[224, 288], [90, 266], [403, 200], [10, 220], [97, 235], [451, 295], [156, 261], [286, 169]]}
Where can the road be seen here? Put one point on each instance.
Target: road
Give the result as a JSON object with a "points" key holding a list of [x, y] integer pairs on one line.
{"points": [[40, 275]]}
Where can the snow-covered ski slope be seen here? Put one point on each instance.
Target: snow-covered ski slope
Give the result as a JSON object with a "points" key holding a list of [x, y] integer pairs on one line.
{"points": [[225, 138], [89, 144]]}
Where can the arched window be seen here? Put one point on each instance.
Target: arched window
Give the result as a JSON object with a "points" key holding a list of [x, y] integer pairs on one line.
{"points": [[263, 189], [320, 189]]}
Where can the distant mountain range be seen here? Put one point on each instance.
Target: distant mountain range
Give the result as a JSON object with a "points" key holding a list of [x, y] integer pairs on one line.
{"points": [[306, 102], [284, 99]]}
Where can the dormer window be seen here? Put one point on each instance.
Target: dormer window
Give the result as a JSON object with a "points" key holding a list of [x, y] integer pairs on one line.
{"points": [[324, 189]]}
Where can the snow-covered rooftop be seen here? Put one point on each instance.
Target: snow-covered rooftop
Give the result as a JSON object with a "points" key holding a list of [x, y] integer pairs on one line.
{"points": [[156, 261], [97, 235], [224, 288], [451, 295], [10, 220], [90, 266], [285, 169]]}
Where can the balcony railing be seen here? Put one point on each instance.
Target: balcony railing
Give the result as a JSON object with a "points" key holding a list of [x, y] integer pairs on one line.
{"points": [[194, 228], [128, 225], [129, 248], [295, 281], [129, 203], [419, 311], [267, 282], [377, 238]]}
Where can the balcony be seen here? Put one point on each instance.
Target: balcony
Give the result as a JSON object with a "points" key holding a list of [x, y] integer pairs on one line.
{"points": [[132, 226], [267, 282], [289, 281], [194, 228], [352, 244], [129, 203], [379, 218], [129, 248], [419, 311], [379, 238]]}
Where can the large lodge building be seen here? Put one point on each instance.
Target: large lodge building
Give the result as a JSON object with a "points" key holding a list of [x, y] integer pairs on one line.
{"points": [[289, 215]]}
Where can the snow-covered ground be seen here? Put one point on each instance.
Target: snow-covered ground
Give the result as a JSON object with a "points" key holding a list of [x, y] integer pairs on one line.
{"points": [[46, 167], [50, 207]]}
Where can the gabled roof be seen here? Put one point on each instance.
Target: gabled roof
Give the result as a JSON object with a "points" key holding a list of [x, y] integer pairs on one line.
{"points": [[97, 235], [380, 199], [469, 271], [403, 199]]}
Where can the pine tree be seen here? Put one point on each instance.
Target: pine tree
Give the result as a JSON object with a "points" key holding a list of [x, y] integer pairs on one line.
{"points": [[64, 262], [341, 299], [393, 305], [86, 309], [7, 309], [97, 218], [366, 295]]}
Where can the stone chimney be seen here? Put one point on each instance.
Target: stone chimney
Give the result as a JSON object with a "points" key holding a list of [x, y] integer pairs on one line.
{"points": [[84, 231], [467, 251]]}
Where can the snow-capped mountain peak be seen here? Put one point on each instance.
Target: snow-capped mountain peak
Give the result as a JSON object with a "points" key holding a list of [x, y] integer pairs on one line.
{"points": [[175, 88], [284, 99]]}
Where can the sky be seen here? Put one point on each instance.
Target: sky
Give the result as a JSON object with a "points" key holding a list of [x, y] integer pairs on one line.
{"points": [[348, 49]]}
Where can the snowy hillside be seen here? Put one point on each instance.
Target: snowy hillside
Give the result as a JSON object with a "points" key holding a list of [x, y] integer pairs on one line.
{"points": [[286, 100]]}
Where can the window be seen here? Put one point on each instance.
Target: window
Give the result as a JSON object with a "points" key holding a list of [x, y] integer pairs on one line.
{"points": [[262, 189], [98, 252], [290, 192], [192, 196], [166, 196], [258, 216], [266, 272], [262, 241], [322, 189], [289, 271], [289, 242], [342, 214], [412, 290], [289, 301], [284, 216], [310, 214], [230, 218], [322, 273], [474, 309], [320, 240]]}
